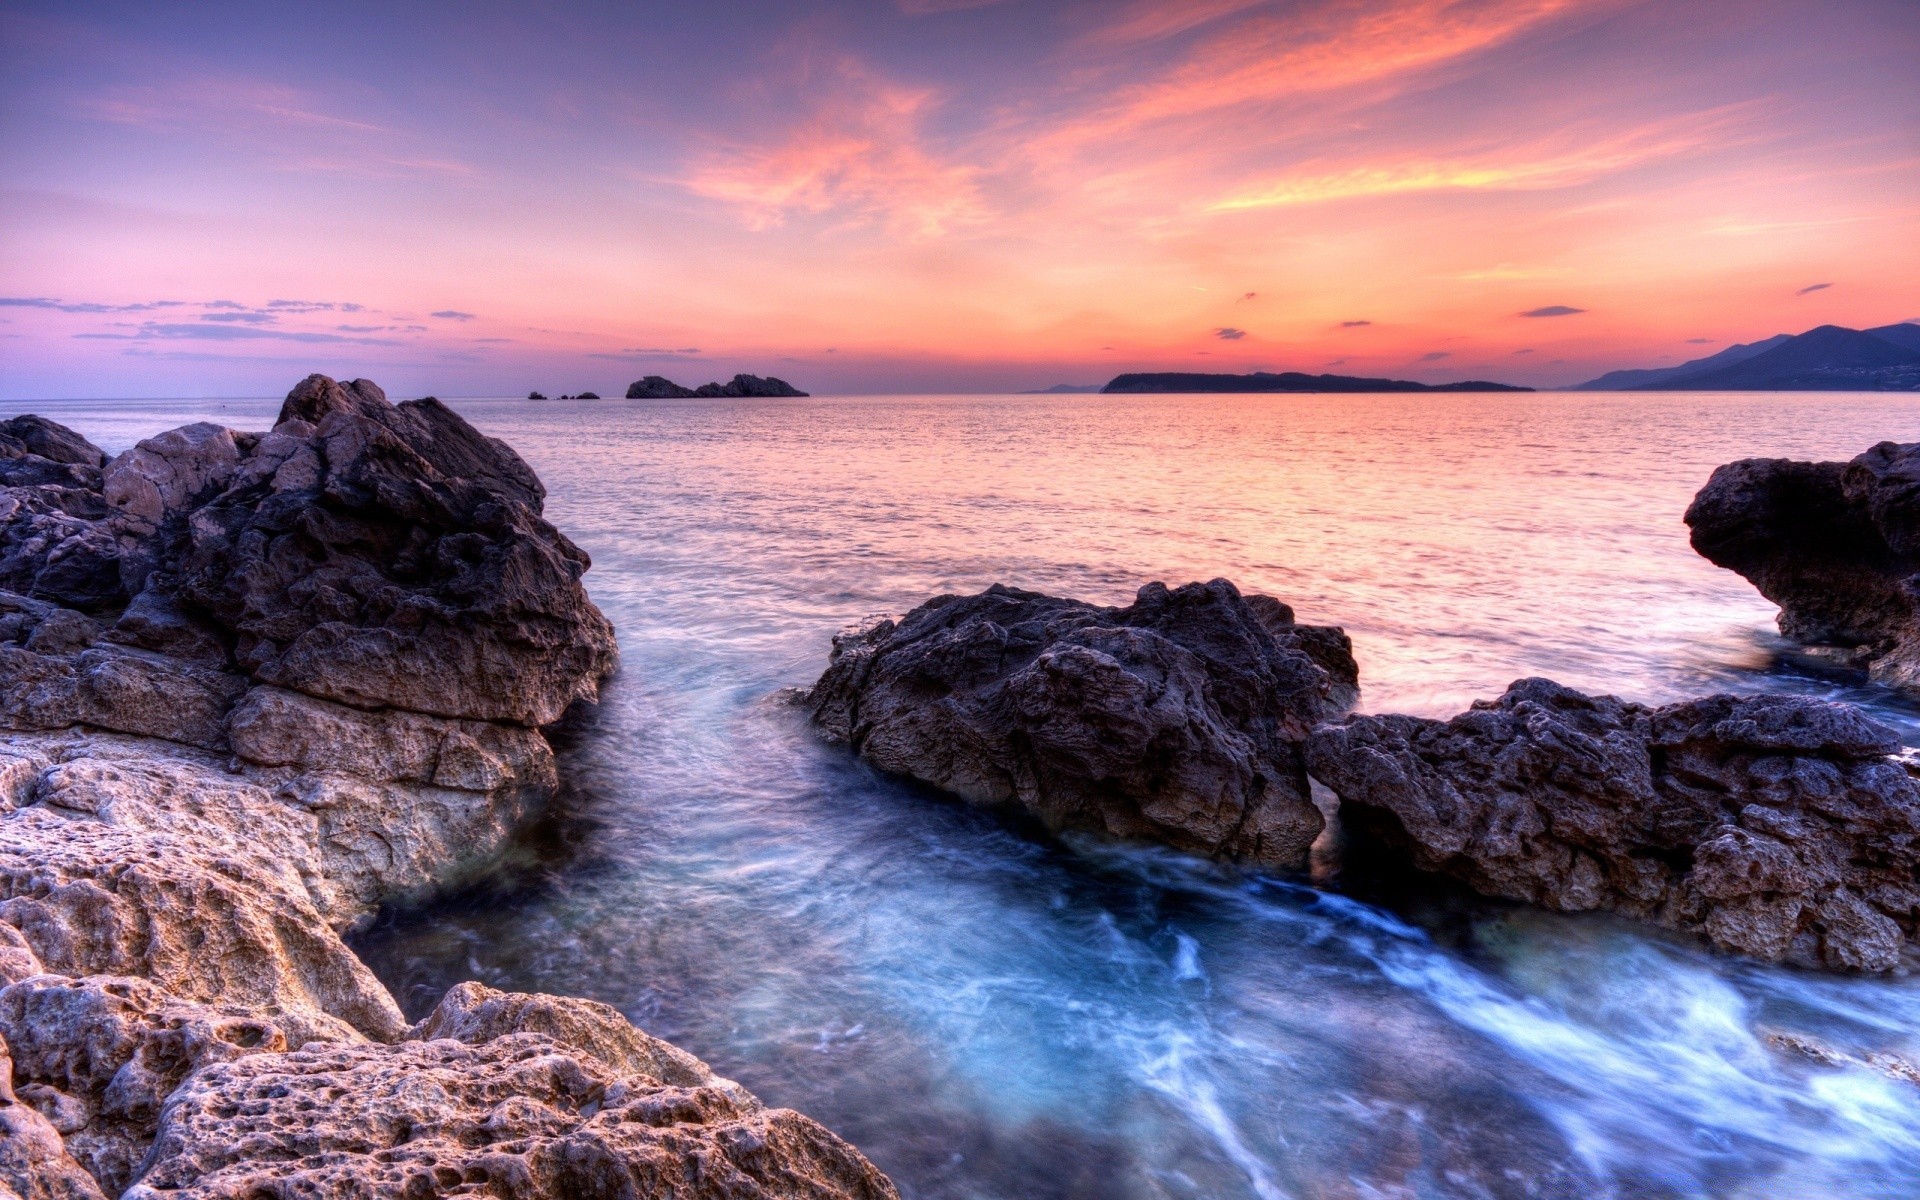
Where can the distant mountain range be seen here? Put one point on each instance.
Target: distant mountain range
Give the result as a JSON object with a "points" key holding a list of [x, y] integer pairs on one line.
{"points": [[1829, 358], [1286, 381]]}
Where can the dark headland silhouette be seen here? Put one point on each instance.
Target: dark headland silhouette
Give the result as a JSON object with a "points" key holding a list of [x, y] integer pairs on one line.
{"points": [[1827, 358], [659, 387], [1286, 381]]}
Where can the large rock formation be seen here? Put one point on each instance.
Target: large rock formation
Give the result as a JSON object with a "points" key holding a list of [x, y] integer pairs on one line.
{"points": [[1177, 719], [253, 686], [659, 387], [1776, 826], [1835, 545]]}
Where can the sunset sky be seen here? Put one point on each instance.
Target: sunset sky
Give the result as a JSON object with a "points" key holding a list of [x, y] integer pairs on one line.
{"points": [[930, 195]]}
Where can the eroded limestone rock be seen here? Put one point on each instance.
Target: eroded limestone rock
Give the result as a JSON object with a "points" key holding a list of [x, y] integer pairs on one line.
{"points": [[1775, 826], [518, 1115], [1177, 719], [251, 687]]}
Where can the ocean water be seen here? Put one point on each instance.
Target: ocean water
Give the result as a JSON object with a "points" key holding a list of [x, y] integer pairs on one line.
{"points": [[990, 1014]]}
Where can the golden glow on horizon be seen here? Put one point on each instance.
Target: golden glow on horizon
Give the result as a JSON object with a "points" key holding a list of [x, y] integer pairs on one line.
{"points": [[1369, 186]]}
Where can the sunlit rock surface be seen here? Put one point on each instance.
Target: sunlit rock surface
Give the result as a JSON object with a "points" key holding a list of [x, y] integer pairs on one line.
{"points": [[1776, 826], [252, 686], [1835, 545], [1177, 719]]}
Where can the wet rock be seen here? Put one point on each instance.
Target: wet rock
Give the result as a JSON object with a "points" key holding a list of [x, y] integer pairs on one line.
{"points": [[1835, 545], [1775, 826], [1177, 719]]}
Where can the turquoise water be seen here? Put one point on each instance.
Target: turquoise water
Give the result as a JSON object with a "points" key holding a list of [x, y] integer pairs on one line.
{"points": [[988, 1014]]}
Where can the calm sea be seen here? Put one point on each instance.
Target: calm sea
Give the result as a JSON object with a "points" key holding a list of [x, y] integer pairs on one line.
{"points": [[990, 1015]]}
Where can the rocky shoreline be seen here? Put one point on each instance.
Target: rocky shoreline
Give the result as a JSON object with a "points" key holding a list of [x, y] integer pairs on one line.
{"points": [[1783, 828], [254, 686]]}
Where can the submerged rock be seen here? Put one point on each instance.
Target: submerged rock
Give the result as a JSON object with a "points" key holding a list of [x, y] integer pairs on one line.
{"points": [[1775, 826], [1835, 545], [253, 686], [1177, 719]]}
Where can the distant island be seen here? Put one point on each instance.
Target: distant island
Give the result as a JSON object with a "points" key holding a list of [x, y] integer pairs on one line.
{"points": [[1828, 358], [659, 387], [1286, 381], [1062, 389]]}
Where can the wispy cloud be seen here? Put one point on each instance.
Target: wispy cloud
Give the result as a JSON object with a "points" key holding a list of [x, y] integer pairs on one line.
{"points": [[1327, 47], [922, 8], [861, 154], [449, 314], [232, 333], [1570, 157], [1553, 310], [1813, 287], [1354, 324], [288, 127], [1435, 355], [1227, 333], [86, 306], [654, 354]]}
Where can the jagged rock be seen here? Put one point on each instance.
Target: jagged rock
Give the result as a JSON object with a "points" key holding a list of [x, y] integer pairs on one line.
{"points": [[1835, 545], [749, 385], [1775, 826], [54, 545], [37, 436], [521, 1115], [251, 687], [404, 565], [1177, 719], [657, 387]]}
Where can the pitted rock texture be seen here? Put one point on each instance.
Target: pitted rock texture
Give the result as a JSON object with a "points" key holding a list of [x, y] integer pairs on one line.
{"points": [[1776, 826], [1835, 545], [1177, 719], [253, 686], [521, 1115]]}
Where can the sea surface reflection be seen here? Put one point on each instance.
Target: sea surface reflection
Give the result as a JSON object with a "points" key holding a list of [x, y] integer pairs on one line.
{"points": [[988, 1014]]}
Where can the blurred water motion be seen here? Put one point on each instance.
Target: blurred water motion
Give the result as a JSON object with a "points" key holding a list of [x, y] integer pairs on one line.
{"points": [[990, 1015]]}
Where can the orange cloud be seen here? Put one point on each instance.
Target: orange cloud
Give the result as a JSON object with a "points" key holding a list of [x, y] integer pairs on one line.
{"points": [[1543, 165], [1267, 58], [861, 155]]}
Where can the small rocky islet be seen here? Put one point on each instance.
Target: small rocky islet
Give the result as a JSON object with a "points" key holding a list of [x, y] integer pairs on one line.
{"points": [[254, 686]]}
